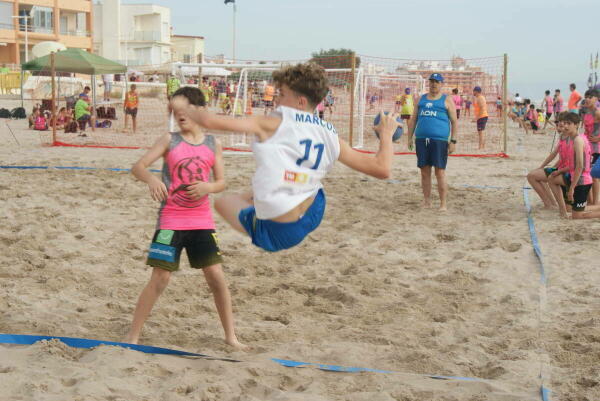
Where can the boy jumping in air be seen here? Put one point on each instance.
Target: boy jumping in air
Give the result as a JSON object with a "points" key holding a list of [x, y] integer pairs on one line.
{"points": [[294, 151]]}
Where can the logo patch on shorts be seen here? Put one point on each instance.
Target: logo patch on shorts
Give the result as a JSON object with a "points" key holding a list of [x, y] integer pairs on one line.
{"points": [[165, 237], [162, 252]]}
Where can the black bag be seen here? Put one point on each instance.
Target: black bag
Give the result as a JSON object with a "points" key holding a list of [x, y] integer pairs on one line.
{"points": [[18, 113], [101, 112], [71, 127], [4, 113], [111, 113]]}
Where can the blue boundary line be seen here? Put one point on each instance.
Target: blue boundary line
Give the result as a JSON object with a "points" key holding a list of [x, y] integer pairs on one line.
{"points": [[545, 392], [24, 339], [69, 168]]}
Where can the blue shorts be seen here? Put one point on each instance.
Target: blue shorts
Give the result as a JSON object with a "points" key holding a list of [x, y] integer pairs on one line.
{"points": [[596, 170], [431, 152], [273, 236], [576, 111]]}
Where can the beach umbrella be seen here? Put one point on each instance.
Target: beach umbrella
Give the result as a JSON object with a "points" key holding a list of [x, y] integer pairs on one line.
{"points": [[45, 48]]}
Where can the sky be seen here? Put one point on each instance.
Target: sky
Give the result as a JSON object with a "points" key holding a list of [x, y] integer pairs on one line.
{"points": [[548, 42]]}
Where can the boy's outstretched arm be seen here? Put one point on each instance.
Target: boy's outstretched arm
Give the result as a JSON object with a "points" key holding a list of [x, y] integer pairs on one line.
{"points": [[380, 164], [262, 126]]}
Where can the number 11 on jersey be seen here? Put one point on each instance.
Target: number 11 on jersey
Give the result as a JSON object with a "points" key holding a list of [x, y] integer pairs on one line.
{"points": [[308, 146]]}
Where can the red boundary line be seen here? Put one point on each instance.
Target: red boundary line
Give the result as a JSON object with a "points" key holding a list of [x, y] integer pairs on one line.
{"points": [[501, 155]]}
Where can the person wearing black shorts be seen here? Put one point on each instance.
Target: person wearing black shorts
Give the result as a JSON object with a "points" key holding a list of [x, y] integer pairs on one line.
{"points": [[200, 245], [434, 125]]}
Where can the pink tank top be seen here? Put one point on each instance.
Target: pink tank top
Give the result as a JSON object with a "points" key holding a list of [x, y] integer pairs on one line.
{"points": [[586, 177], [565, 153], [549, 104], [457, 101], [185, 164]]}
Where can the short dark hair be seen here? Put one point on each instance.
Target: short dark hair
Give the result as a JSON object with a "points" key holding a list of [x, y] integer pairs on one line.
{"points": [[307, 79], [455, 91], [557, 90], [569, 117], [87, 88], [532, 106], [572, 86], [192, 94], [592, 93], [547, 92]]}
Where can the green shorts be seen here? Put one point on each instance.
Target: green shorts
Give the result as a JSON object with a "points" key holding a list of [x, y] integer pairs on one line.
{"points": [[549, 170], [201, 247]]}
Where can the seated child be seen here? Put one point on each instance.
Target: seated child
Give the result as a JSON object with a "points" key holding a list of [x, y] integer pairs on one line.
{"points": [[577, 182], [185, 217], [40, 123], [294, 151], [538, 178]]}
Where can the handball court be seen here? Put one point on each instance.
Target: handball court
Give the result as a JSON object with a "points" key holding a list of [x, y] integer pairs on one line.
{"points": [[381, 284]]}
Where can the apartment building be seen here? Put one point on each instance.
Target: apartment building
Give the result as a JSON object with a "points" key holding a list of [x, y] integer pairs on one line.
{"points": [[132, 34], [35, 21], [187, 49]]}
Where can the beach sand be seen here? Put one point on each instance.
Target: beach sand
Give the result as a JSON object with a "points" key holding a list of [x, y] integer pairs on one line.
{"points": [[381, 284]]}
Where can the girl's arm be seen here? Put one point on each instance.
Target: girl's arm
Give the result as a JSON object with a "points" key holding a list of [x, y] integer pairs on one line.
{"points": [[158, 190], [199, 189]]}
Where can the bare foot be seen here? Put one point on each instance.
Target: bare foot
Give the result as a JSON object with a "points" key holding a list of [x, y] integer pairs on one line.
{"points": [[238, 346], [564, 216], [443, 208], [130, 340], [550, 207], [426, 203]]}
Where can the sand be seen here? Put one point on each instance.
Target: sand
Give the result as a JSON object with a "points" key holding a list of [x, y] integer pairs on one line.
{"points": [[381, 284]]}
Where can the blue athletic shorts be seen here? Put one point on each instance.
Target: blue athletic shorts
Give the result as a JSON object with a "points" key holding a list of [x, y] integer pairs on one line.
{"points": [[431, 152], [273, 236], [596, 169]]}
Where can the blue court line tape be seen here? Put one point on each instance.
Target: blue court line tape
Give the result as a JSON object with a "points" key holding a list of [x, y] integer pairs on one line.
{"points": [[534, 237], [349, 369], [544, 391], [69, 168], [24, 339]]}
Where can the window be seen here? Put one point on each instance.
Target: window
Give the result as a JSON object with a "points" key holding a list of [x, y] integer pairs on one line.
{"points": [[6, 12], [43, 19]]}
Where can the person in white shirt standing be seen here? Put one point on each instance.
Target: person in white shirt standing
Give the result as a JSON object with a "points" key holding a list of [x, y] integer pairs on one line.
{"points": [[107, 80], [294, 151]]}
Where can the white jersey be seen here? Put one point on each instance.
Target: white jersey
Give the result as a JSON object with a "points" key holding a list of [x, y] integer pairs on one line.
{"points": [[291, 164]]}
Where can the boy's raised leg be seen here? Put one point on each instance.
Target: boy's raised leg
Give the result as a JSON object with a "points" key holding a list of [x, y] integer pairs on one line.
{"points": [[218, 286], [155, 287], [229, 207]]}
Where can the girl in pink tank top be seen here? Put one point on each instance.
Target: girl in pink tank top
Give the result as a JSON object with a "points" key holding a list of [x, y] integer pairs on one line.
{"points": [[185, 219]]}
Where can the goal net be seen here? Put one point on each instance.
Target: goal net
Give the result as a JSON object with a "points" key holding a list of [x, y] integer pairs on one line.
{"points": [[356, 95]]}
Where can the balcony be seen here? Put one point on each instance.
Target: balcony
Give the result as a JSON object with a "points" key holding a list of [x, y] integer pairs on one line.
{"points": [[77, 32], [146, 36], [7, 26]]}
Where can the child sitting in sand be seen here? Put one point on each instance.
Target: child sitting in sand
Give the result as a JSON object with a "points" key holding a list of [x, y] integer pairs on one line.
{"points": [[577, 182], [538, 178], [294, 151], [185, 217]]}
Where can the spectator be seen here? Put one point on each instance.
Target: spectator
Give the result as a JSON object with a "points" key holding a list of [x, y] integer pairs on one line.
{"points": [[107, 80], [131, 107], [83, 114]]}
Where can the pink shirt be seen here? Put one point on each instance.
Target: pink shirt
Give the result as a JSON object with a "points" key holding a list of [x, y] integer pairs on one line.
{"points": [[549, 104], [185, 164], [565, 153], [558, 106], [457, 101], [586, 177]]}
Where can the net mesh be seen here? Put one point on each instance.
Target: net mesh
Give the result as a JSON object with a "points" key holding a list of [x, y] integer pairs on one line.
{"points": [[359, 89]]}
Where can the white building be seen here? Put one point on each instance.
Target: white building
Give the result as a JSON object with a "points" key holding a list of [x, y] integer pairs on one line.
{"points": [[187, 49], [133, 34]]}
